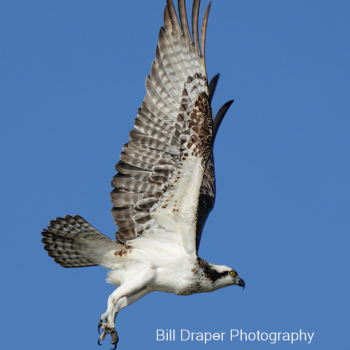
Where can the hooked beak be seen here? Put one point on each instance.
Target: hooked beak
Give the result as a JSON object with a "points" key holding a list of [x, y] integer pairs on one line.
{"points": [[240, 282]]}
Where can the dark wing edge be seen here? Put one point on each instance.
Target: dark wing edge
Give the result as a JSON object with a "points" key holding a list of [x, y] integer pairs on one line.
{"points": [[208, 188]]}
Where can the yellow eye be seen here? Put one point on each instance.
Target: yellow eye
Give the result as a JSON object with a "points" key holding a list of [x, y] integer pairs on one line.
{"points": [[233, 273]]}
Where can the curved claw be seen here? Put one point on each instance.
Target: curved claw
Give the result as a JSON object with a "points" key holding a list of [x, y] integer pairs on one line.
{"points": [[115, 338], [102, 337], [99, 328]]}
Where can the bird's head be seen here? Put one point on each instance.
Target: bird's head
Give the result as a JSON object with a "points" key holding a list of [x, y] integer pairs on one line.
{"points": [[221, 275]]}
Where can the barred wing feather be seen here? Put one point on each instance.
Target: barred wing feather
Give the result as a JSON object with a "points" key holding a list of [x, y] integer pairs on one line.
{"points": [[161, 168]]}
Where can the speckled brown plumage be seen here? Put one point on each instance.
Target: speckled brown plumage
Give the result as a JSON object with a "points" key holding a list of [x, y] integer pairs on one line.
{"points": [[165, 186], [174, 122]]}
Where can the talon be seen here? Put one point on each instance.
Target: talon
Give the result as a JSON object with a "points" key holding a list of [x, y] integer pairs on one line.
{"points": [[115, 338], [102, 337], [99, 327], [106, 330], [115, 344]]}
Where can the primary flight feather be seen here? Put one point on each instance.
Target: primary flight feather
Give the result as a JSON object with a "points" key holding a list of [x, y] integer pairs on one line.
{"points": [[165, 186]]}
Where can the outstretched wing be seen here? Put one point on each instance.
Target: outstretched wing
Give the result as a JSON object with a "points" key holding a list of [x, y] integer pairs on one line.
{"points": [[161, 170]]}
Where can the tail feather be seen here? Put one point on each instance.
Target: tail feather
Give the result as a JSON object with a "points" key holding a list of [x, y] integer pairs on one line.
{"points": [[73, 242]]}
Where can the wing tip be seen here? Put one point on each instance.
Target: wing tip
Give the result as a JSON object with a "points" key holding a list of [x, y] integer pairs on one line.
{"points": [[220, 116]]}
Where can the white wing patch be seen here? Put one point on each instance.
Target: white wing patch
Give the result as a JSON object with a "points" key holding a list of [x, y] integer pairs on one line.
{"points": [[177, 209]]}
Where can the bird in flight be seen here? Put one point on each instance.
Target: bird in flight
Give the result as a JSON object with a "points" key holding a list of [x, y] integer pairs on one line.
{"points": [[165, 186]]}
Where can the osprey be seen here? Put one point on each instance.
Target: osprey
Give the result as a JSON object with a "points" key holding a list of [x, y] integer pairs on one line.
{"points": [[165, 186]]}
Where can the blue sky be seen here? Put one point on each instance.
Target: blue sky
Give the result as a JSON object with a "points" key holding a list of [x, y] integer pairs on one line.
{"points": [[72, 78]]}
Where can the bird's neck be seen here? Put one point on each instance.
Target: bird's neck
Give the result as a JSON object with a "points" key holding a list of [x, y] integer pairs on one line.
{"points": [[208, 272]]}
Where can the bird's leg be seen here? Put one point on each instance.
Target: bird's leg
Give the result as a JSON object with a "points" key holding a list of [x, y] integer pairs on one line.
{"points": [[126, 294], [122, 302]]}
